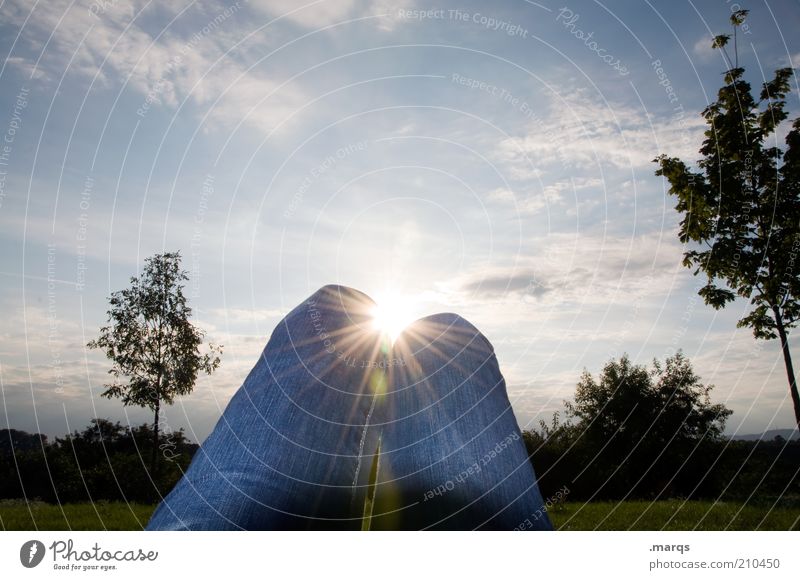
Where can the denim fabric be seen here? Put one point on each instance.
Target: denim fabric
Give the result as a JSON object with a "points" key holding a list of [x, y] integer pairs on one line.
{"points": [[296, 444], [452, 454]]}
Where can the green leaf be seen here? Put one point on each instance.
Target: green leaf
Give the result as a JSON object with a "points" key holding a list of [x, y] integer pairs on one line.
{"points": [[720, 40], [738, 17], [716, 297]]}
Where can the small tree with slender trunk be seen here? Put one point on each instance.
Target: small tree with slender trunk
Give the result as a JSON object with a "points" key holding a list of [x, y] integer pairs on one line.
{"points": [[154, 348], [741, 211]]}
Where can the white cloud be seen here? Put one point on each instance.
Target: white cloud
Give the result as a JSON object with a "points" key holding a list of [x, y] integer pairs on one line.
{"points": [[251, 100], [390, 9], [528, 202], [27, 67], [590, 133], [309, 14], [247, 315], [502, 195], [314, 15], [165, 67], [584, 269], [703, 51]]}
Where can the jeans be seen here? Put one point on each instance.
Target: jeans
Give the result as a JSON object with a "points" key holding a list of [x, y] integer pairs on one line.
{"points": [[335, 428]]}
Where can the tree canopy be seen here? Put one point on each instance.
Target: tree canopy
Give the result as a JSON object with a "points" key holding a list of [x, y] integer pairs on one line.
{"points": [[634, 431], [741, 208], [653, 407], [153, 346]]}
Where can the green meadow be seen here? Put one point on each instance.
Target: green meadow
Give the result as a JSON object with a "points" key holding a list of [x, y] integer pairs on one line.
{"points": [[628, 515]]}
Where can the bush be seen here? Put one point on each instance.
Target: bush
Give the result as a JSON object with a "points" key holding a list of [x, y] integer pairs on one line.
{"points": [[650, 434], [105, 461]]}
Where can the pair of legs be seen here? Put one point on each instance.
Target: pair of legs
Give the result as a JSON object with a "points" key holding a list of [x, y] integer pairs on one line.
{"points": [[334, 427]]}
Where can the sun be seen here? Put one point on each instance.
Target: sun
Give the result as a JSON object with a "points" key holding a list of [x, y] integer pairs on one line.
{"points": [[391, 314]]}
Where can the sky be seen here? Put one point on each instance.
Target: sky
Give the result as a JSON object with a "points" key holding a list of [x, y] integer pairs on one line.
{"points": [[493, 159]]}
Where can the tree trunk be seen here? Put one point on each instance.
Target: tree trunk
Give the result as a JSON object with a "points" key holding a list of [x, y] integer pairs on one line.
{"points": [[154, 456], [787, 359]]}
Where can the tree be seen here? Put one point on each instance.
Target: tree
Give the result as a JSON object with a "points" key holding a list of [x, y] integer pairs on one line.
{"points": [[12, 440], [154, 348], [741, 210], [103, 461], [666, 403], [641, 425]]}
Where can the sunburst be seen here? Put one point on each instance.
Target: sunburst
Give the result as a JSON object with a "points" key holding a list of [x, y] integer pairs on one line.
{"points": [[392, 313]]}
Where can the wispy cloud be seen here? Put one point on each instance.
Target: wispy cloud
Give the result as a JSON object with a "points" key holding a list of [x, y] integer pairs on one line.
{"points": [[583, 132], [308, 14], [186, 60], [320, 13], [587, 269], [702, 49]]}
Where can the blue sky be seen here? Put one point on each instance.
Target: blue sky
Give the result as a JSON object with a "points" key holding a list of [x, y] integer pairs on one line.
{"points": [[492, 159]]}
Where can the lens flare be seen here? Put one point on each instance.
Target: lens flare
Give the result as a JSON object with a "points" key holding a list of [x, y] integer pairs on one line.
{"points": [[392, 314]]}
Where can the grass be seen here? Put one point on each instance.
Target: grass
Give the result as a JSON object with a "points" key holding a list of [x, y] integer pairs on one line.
{"points": [[36, 515], [673, 515], [629, 515]]}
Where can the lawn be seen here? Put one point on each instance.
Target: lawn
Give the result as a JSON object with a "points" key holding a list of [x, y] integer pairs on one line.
{"points": [[673, 515], [629, 515], [19, 515]]}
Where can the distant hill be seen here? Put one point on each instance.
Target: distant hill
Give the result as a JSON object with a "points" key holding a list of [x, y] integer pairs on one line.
{"points": [[769, 435]]}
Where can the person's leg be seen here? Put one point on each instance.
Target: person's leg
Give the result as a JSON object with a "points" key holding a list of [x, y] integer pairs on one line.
{"points": [[287, 450], [452, 455]]}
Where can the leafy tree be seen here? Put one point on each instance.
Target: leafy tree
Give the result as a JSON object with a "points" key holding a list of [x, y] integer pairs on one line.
{"points": [[154, 348], [103, 461], [741, 210], [12, 440], [666, 403], [639, 427]]}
